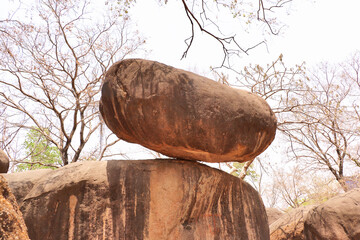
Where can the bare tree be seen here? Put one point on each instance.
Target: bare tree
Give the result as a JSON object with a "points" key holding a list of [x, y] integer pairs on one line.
{"points": [[200, 16], [278, 84], [205, 17], [291, 187], [323, 133], [317, 111], [294, 187], [51, 70]]}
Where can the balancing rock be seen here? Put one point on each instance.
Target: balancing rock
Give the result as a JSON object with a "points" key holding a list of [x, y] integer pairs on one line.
{"points": [[184, 115]]}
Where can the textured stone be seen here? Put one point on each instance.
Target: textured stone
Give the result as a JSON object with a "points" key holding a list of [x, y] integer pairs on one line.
{"points": [[290, 226], [336, 219], [153, 199], [4, 162], [12, 225], [22, 182], [184, 115]]}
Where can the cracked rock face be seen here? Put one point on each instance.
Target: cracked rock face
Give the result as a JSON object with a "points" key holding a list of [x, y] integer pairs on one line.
{"points": [[184, 115]]}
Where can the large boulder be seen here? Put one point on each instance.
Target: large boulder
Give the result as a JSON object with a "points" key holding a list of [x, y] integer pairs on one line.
{"points": [[4, 162], [184, 115], [290, 226], [12, 225], [22, 182], [154, 199], [336, 219]]}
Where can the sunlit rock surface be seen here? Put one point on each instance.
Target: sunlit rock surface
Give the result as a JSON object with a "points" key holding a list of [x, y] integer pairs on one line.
{"points": [[336, 219], [184, 115], [153, 199]]}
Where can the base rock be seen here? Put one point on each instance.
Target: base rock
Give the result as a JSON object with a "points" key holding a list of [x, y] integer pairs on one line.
{"points": [[145, 199]]}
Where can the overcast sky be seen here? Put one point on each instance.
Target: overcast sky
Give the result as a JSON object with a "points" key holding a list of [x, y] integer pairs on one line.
{"points": [[320, 30]]}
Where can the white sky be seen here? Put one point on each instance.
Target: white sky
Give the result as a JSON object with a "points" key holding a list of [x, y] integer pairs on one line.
{"points": [[320, 30]]}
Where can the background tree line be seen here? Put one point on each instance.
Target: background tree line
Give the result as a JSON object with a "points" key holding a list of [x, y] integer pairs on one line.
{"points": [[318, 125]]}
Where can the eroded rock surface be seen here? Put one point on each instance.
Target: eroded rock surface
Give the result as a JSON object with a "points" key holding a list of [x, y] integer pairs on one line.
{"points": [[290, 226], [184, 115], [156, 199], [22, 182], [336, 219], [12, 225]]}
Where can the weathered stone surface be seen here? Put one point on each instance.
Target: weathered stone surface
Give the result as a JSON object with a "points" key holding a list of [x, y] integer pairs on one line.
{"points": [[22, 182], [12, 225], [273, 214], [290, 226], [156, 199], [336, 219], [4, 162], [184, 115]]}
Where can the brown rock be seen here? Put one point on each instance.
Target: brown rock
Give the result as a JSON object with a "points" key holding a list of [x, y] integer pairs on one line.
{"points": [[290, 226], [4, 162], [273, 214], [184, 115], [154, 199], [336, 219], [22, 182], [12, 225]]}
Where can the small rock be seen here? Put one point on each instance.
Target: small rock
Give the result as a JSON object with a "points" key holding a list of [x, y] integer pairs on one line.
{"points": [[4, 162]]}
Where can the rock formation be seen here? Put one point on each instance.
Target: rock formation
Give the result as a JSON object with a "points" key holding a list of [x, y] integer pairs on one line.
{"points": [[4, 162], [184, 115], [22, 182], [290, 226], [158, 199], [336, 219], [12, 225]]}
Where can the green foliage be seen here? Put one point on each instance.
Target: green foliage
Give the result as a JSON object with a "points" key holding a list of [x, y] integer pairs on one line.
{"points": [[250, 171], [42, 154]]}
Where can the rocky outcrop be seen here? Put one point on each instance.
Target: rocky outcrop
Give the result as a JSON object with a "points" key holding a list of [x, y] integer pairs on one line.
{"points": [[12, 225], [336, 219], [4, 162], [290, 226], [22, 182], [184, 115], [273, 214], [156, 199]]}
